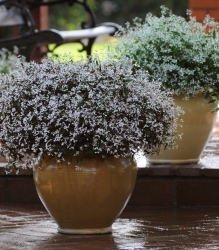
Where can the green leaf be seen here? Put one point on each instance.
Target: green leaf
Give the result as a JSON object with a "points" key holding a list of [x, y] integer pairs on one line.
{"points": [[211, 101], [207, 94], [214, 34]]}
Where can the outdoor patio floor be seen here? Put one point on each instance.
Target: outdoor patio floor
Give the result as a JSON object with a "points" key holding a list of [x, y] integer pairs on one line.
{"points": [[142, 225], [31, 228]]}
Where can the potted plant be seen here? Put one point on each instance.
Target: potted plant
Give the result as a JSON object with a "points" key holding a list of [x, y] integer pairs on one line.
{"points": [[79, 126], [184, 56]]}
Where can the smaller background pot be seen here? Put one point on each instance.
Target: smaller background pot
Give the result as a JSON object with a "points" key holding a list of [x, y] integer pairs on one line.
{"points": [[198, 123], [86, 196]]}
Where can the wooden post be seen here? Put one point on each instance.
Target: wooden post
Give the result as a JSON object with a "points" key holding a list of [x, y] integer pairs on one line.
{"points": [[41, 18]]}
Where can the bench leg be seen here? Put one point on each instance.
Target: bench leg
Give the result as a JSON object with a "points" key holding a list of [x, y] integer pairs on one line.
{"points": [[87, 47]]}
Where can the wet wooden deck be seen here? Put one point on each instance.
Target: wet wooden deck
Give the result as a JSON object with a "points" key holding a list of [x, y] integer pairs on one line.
{"points": [[31, 228], [172, 207]]}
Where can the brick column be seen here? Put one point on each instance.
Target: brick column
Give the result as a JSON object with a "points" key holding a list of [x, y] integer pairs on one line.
{"points": [[200, 8]]}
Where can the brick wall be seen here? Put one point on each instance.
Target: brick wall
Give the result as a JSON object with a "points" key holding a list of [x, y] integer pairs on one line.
{"points": [[202, 7]]}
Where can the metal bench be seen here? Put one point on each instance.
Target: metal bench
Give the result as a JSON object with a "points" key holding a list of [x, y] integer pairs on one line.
{"points": [[14, 13]]}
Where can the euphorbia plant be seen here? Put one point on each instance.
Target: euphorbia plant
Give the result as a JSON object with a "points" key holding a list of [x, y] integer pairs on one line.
{"points": [[182, 54], [83, 108]]}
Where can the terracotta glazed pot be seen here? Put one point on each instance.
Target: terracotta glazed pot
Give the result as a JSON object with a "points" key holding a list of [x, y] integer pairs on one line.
{"points": [[198, 123], [85, 196]]}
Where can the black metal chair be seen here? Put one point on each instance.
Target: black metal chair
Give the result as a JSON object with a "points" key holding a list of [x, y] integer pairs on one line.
{"points": [[14, 13]]}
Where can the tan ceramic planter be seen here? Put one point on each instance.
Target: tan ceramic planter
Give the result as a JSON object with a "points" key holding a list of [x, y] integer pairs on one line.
{"points": [[87, 196], [198, 123]]}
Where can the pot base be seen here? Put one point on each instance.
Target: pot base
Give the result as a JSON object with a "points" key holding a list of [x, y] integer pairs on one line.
{"points": [[86, 231], [168, 161]]}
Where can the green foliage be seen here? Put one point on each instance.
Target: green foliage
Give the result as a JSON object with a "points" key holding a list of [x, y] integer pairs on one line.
{"points": [[70, 17], [119, 11], [122, 11], [184, 55]]}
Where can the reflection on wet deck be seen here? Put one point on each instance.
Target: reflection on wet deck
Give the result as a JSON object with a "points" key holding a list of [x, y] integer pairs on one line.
{"points": [[31, 228], [172, 207]]}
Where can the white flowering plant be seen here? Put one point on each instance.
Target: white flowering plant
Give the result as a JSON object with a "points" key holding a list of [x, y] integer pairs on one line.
{"points": [[89, 108], [9, 59], [183, 55]]}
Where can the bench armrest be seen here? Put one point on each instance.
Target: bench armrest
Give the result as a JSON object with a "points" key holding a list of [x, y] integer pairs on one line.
{"points": [[76, 35]]}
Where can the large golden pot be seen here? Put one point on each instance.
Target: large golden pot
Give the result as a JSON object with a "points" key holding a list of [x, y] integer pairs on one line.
{"points": [[198, 123], [85, 196]]}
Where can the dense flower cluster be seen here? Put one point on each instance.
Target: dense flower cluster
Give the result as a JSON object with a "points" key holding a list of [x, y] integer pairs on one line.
{"points": [[183, 54], [83, 107]]}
